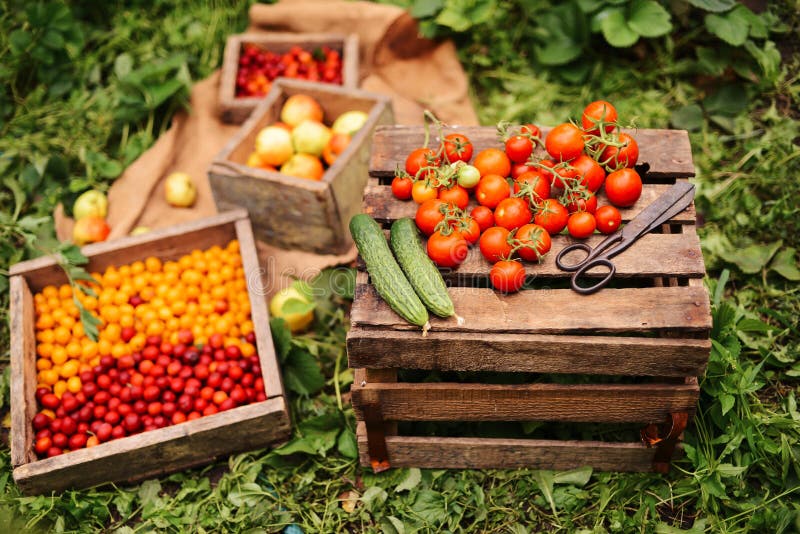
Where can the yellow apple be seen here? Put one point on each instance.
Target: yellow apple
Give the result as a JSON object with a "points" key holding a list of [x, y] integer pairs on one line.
{"points": [[297, 321], [180, 190], [91, 202]]}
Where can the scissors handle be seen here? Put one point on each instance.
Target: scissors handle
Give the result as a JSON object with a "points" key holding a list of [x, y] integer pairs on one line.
{"points": [[569, 248], [588, 265], [610, 246]]}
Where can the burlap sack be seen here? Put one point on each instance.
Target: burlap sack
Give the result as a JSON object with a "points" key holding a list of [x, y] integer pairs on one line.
{"points": [[391, 54]]}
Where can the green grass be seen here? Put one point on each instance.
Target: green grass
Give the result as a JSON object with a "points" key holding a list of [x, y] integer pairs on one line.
{"points": [[73, 116]]}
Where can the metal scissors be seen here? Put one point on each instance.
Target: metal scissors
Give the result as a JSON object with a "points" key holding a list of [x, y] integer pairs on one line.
{"points": [[665, 207]]}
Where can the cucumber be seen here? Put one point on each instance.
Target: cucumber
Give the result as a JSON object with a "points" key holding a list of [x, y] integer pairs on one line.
{"points": [[387, 277], [419, 269]]}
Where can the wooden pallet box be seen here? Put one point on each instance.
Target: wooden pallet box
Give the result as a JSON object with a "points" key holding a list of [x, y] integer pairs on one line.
{"points": [[154, 452], [235, 110], [295, 213], [644, 340]]}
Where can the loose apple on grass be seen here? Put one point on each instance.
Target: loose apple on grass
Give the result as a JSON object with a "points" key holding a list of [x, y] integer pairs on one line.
{"points": [[90, 210], [301, 145]]}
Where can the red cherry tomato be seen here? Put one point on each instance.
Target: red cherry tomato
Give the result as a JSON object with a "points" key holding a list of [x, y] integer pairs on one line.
{"points": [[581, 224], [422, 191], [518, 148], [596, 112], [512, 213], [507, 276], [552, 216], [457, 147], [447, 250], [564, 142], [468, 228], [491, 190], [492, 161], [608, 219], [533, 185], [456, 195], [618, 157], [590, 172], [401, 187], [494, 244], [579, 203], [531, 129], [623, 187], [518, 169], [483, 216], [429, 214], [419, 158], [535, 240]]}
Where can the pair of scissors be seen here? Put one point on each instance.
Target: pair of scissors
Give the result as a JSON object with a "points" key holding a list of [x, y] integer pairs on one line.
{"points": [[664, 208]]}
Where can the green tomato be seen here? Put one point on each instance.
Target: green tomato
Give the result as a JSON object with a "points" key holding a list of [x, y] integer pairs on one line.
{"points": [[468, 176]]}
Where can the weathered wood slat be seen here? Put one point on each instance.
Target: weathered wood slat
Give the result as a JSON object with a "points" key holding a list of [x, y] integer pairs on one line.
{"points": [[668, 152], [652, 255], [23, 370], [384, 207], [156, 452], [531, 353], [556, 311], [492, 453], [608, 403]]}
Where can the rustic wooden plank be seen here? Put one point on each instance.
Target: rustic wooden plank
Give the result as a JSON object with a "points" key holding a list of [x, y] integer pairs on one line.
{"points": [[257, 292], [23, 370], [652, 255], [291, 212], [556, 311], [668, 152], [493, 453], [364, 376], [385, 208], [375, 348], [167, 243], [156, 452], [606, 403], [236, 110]]}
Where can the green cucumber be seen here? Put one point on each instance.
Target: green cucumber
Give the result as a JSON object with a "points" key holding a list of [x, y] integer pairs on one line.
{"points": [[420, 270], [387, 277]]}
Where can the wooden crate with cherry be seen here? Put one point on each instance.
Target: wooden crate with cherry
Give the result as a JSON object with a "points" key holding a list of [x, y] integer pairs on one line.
{"points": [[183, 371], [625, 358]]}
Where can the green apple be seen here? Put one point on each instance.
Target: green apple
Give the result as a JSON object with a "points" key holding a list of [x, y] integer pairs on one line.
{"points": [[90, 203], [311, 137], [180, 190], [290, 297], [349, 122]]}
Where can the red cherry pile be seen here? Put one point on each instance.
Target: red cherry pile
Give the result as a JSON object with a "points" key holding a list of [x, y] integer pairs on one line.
{"points": [[161, 385], [258, 67]]}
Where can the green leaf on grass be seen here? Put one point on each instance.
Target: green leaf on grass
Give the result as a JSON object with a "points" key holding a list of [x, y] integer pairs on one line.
{"points": [[648, 18], [617, 31], [717, 6], [726, 402], [425, 8], [410, 481], [688, 118], [19, 40], [729, 100], [785, 264], [753, 258], [544, 479], [732, 27], [281, 337], [301, 372], [730, 470], [374, 498], [347, 444], [430, 507], [576, 477]]}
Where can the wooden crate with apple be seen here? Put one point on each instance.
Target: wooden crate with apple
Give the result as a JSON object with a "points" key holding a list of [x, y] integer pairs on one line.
{"points": [[56, 367], [598, 369], [235, 106], [290, 212]]}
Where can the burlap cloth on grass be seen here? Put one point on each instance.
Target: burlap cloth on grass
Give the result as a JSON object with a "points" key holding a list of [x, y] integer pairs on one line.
{"points": [[415, 72]]}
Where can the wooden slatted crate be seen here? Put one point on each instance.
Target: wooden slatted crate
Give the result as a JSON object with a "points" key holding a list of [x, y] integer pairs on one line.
{"points": [[163, 450], [649, 330], [235, 109]]}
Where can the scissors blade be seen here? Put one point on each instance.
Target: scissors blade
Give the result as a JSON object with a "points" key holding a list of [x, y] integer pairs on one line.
{"points": [[668, 205]]}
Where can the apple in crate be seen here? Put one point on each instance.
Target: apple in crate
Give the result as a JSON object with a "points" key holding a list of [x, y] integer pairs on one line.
{"points": [[274, 146], [299, 108], [310, 137]]}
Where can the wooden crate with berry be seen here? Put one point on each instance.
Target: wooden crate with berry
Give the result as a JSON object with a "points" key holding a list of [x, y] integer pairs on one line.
{"points": [[251, 62], [299, 164], [607, 379], [182, 371]]}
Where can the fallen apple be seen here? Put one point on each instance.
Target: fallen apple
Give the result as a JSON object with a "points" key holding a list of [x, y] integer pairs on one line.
{"points": [[274, 145], [292, 306], [91, 202], [90, 229], [349, 122], [310, 137], [180, 190], [139, 230], [304, 166], [299, 108]]}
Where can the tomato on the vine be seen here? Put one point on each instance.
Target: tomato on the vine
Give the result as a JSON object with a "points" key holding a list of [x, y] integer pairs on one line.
{"points": [[518, 169], [596, 112], [533, 183], [422, 191], [552, 216], [492, 161], [419, 158], [589, 171], [507, 276], [491, 190], [447, 250], [483, 216], [623, 187], [429, 214], [579, 202], [512, 213], [468, 176], [468, 228], [535, 242], [494, 244], [518, 148], [564, 142], [401, 187], [455, 195], [608, 219], [457, 147], [531, 130], [623, 156], [581, 224]]}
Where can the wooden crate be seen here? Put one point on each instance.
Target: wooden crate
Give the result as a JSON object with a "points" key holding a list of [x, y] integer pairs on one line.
{"points": [[295, 213], [236, 110], [158, 451], [650, 325]]}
